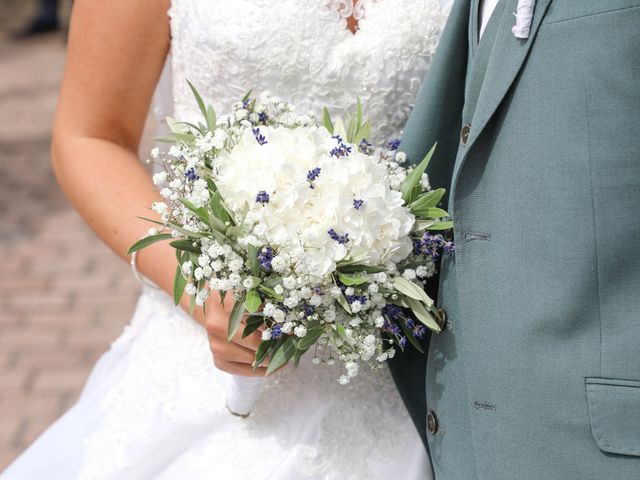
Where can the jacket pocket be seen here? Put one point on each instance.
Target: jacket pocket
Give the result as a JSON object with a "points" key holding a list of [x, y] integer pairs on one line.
{"points": [[614, 413]]}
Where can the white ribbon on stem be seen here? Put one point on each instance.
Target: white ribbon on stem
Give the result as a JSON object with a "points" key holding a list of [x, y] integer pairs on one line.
{"points": [[524, 16], [242, 394]]}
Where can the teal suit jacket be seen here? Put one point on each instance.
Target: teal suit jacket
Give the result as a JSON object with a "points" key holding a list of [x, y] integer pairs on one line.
{"points": [[537, 375]]}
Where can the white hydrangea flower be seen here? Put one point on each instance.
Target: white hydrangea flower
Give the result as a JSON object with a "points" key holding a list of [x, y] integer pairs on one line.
{"points": [[300, 331], [190, 289], [291, 218], [266, 334]]}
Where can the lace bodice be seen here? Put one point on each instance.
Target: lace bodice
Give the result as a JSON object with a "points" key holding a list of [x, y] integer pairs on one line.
{"points": [[303, 52]]}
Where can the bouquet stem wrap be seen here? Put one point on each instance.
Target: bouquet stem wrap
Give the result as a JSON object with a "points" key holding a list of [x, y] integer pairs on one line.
{"points": [[242, 394]]}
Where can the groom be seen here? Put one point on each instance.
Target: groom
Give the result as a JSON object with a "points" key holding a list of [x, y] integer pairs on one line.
{"points": [[537, 373]]}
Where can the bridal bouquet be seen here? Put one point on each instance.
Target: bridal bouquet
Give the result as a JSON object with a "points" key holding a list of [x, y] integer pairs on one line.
{"points": [[321, 240]]}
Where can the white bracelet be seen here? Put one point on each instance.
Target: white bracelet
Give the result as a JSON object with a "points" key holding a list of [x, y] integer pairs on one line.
{"points": [[144, 281]]}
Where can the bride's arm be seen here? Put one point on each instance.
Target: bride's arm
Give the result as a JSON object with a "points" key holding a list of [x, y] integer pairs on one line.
{"points": [[116, 53]]}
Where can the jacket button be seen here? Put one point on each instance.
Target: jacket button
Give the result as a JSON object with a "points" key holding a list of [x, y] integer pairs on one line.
{"points": [[464, 133], [441, 319], [432, 423]]}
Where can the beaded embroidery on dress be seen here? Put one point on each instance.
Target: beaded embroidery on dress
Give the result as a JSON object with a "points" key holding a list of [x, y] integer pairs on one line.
{"points": [[154, 406]]}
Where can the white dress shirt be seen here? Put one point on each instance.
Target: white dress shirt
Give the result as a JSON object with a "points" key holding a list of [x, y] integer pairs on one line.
{"points": [[486, 9]]}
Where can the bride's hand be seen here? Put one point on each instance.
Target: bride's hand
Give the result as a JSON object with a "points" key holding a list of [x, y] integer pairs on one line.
{"points": [[236, 356]]}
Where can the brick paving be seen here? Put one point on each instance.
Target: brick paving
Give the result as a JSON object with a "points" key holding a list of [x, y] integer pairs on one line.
{"points": [[63, 295]]}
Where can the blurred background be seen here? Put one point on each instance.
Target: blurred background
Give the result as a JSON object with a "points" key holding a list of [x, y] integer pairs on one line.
{"points": [[63, 295]]}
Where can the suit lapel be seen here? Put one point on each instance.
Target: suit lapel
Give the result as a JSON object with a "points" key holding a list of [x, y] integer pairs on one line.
{"points": [[507, 59], [437, 114]]}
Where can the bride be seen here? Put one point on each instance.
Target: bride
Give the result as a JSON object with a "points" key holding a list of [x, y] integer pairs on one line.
{"points": [[154, 406]]}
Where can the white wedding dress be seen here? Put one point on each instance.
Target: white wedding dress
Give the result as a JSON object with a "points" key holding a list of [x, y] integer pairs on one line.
{"points": [[154, 406]]}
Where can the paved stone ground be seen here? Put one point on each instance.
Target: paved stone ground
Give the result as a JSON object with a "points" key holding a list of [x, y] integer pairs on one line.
{"points": [[63, 295]]}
